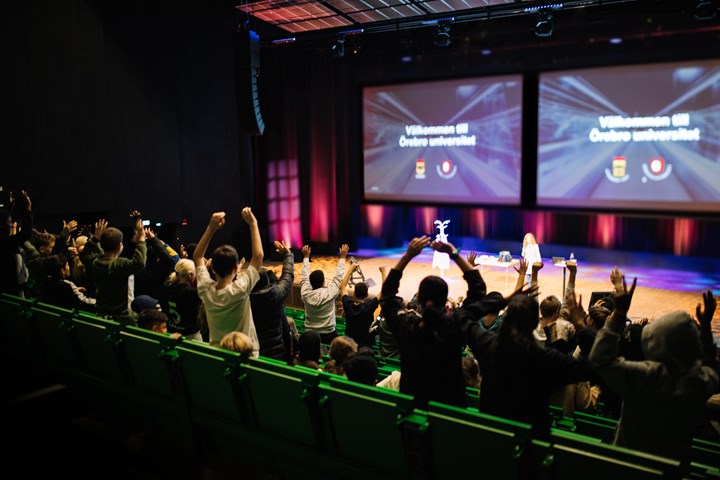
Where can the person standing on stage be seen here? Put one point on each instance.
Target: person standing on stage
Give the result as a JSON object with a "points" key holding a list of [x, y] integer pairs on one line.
{"points": [[530, 252]]}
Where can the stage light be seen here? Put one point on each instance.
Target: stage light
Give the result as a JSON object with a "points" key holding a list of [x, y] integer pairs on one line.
{"points": [[615, 41], [442, 35], [544, 25], [707, 9], [338, 48]]}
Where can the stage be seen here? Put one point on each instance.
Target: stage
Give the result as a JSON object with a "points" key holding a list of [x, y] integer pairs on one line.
{"points": [[658, 290]]}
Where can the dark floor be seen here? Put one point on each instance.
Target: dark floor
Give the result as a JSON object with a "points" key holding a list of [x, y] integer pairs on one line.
{"points": [[52, 431]]}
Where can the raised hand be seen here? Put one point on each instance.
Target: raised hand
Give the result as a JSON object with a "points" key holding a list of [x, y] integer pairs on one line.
{"points": [[149, 233], [217, 220], [571, 266], [281, 247], [416, 245], [306, 250], [537, 266], [183, 252], [522, 267], [471, 258], [69, 227], [28, 202], [100, 227], [705, 315], [248, 216], [344, 249], [444, 247], [623, 296], [616, 277], [576, 312], [353, 267]]}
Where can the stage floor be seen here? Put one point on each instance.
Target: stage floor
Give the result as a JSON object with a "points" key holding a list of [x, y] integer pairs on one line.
{"points": [[658, 290]]}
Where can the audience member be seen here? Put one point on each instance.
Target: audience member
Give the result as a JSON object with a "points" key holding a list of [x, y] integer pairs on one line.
{"points": [[359, 310], [57, 290], [309, 350], [663, 396], [110, 271], [319, 299], [179, 300], [340, 348], [13, 274], [268, 306], [226, 300], [155, 320], [238, 342], [429, 339]]}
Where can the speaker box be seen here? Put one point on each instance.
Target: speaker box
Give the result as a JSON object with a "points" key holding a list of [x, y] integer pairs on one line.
{"points": [[247, 70]]}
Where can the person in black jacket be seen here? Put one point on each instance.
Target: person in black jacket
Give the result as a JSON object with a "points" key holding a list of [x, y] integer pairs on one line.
{"points": [[13, 274], [267, 301]]}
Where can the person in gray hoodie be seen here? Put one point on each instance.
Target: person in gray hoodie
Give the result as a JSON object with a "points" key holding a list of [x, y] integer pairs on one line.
{"points": [[663, 396]]}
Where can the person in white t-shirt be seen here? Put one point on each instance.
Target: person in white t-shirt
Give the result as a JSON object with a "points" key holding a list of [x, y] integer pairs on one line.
{"points": [[226, 300]]}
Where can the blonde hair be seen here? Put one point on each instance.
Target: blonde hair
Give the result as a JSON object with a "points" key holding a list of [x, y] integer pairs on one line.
{"points": [[529, 239], [237, 342], [183, 270]]}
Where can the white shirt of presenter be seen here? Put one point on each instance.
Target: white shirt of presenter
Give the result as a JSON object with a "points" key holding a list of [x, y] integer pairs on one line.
{"points": [[530, 249]]}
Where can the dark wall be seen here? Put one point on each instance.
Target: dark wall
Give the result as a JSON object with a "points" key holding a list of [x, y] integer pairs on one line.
{"points": [[111, 107]]}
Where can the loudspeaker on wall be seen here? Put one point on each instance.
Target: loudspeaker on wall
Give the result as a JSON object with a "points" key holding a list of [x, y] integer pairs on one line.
{"points": [[247, 71]]}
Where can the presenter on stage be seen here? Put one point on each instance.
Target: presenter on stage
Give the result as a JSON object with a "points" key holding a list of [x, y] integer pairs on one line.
{"points": [[530, 252]]}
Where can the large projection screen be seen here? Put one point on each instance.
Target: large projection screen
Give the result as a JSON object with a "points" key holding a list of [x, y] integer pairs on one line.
{"points": [[443, 142], [640, 137]]}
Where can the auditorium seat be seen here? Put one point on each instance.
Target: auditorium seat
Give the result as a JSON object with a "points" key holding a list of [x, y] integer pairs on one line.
{"points": [[572, 455], [372, 427], [213, 385], [466, 443], [56, 337], [285, 401]]}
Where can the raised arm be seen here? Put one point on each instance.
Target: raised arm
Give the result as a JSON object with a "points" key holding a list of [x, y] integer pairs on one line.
{"points": [[476, 285], [521, 270], [536, 267], [255, 242], [288, 269], [704, 316], [339, 271], [305, 271], [383, 273], [217, 220], [62, 239], [392, 282], [346, 278]]}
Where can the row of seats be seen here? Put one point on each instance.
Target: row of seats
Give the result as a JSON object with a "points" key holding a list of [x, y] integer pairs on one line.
{"points": [[293, 419]]}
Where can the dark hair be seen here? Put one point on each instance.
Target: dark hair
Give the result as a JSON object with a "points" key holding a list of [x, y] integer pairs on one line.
{"points": [[151, 317], [598, 314], [521, 318], [361, 367], [54, 265], [432, 297], [361, 290], [471, 372], [340, 348], [309, 346], [550, 306], [263, 280], [224, 260], [317, 279], [110, 239]]}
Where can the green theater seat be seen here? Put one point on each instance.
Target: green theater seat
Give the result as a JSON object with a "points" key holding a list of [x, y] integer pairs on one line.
{"points": [[465, 443], [55, 333], [213, 385], [284, 401], [573, 456], [371, 427]]}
